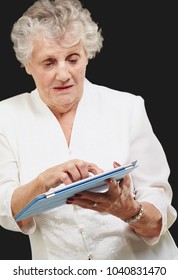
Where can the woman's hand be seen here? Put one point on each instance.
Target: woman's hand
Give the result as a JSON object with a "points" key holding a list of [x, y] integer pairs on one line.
{"points": [[67, 173], [120, 202]]}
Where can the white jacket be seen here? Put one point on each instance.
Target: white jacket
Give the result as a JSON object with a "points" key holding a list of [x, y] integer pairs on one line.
{"points": [[109, 126]]}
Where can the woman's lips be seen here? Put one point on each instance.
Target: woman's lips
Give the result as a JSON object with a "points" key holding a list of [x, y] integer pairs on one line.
{"points": [[63, 88]]}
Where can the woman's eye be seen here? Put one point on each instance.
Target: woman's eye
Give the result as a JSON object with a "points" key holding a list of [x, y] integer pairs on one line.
{"points": [[48, 64], [73, 61]]}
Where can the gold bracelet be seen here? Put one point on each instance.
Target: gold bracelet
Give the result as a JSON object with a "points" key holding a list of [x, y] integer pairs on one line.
{"points": [[135, 218]]}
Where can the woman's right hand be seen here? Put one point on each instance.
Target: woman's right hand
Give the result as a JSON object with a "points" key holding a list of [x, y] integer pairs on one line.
{"points": [[67, 173]]}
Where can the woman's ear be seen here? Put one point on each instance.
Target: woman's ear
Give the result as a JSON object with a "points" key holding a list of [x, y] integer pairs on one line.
{"points": [[27, 69]]}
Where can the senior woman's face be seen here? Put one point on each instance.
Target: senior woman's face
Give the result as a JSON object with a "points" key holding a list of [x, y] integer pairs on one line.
{"points": [[58, 73]]}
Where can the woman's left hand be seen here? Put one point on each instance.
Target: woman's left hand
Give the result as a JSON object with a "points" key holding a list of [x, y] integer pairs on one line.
{"points": [[118, 200]]}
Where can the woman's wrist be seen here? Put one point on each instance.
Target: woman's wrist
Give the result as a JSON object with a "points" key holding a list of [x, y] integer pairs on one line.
{"points": [[133, 219]]}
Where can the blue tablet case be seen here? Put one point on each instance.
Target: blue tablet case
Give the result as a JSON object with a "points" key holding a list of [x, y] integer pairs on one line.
{"points": [[58, 196]]}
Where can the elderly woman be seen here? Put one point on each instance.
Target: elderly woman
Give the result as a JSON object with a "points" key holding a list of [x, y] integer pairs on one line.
{"points": [[67, 128]]}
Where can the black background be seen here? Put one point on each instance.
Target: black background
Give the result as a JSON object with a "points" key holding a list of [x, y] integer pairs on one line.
{"points": [[139, 56]]}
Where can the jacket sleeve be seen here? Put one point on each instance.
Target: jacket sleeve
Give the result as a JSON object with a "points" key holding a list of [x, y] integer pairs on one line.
{"points": [[151, 177], [9, 180]]}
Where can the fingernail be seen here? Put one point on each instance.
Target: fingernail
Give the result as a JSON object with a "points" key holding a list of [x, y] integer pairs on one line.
{"points": [[69, 201]]}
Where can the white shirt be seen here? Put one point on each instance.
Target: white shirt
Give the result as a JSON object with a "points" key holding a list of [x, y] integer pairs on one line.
{"points": [[109, 126]]}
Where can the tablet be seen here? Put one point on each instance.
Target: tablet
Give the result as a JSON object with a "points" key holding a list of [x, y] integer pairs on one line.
{"points": [[58, 196]]}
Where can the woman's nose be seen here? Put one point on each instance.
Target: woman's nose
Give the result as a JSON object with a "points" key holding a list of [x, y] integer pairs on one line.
{"points": [[62, 72]]}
